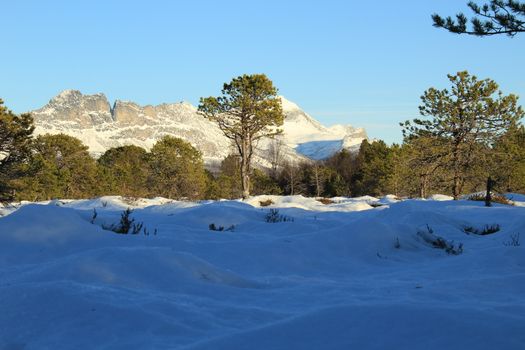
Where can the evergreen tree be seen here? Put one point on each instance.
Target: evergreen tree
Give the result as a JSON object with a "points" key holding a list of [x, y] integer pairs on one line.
{"points": [[373, 170], [398, 169], [464, 120], [509, 160], [495, 17], [15, 144], [264, 184], [126, 171], [334, 185], [60, 167], [230, 177], [247, 111], [343, 162], [423, 159], [177, 169]]}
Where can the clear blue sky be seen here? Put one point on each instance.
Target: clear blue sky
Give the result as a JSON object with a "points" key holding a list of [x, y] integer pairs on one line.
{"points": [[356, 62]]}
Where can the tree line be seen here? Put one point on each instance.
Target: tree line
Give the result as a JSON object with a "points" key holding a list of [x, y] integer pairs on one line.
{"points": [[465, 134]]}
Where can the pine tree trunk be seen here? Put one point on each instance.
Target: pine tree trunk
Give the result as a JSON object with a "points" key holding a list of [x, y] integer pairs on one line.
{"points": [[457, 182], [245, 185], [245, 168], [423, 180], [488, 194], [456, 188]]}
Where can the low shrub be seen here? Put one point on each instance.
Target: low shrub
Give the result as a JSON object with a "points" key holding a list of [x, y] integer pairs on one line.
{"points": [[126, 224], [214, 227], [514, 240], [94, 216], [375, 204], [439, 242], [273, 216], [486, 230], [397, 244], [325, 201], [496, 198], [266, 202]]}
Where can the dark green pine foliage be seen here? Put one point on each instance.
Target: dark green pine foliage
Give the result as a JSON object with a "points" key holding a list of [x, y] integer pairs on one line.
{"points": [[343, 162], [373, 170], [463, 122], [229, 179], [15, 146], [177, 170], [263, 183], [60, 167], [492, 18], [227, 183], [125, 171], [335, 185], [509, 161]]}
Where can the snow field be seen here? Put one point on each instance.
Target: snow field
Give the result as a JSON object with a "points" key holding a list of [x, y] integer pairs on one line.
{"points": [[339, 276]]}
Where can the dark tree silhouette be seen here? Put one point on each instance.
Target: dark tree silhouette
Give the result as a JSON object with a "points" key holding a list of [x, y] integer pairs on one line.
{"points": [[495, 17]]}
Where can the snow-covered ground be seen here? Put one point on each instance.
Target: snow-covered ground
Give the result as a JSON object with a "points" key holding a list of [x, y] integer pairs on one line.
{"points": [[353, 274]]}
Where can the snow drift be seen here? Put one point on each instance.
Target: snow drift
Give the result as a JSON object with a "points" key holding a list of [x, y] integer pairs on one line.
{"points": [[351, 274]]}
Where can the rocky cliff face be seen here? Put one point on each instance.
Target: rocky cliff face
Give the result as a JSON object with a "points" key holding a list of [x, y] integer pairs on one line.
{"points": [[100, 126]]}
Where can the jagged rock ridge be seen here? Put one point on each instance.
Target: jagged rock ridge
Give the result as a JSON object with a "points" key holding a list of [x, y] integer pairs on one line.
{"points": [[101, 126]]}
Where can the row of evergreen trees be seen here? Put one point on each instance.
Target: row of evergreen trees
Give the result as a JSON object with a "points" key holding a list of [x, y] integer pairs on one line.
{"points": [[60, 166]]}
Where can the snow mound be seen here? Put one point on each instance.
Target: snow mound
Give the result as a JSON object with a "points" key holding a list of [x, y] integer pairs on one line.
{"points": [[36, 233], [312, 204], [351, 273], [440, 197]]}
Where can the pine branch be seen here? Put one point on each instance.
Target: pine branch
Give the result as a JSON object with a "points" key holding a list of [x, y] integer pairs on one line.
{"points": [[494, 18]]}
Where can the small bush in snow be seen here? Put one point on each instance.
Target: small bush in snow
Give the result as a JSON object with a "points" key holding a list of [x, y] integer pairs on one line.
{"points": [[266, 203], [514, 241], [375, 204], [486, 230], [136, 228], [94, 216], [273, 216], [147, 232], [128, 225], [130, 200], [495, 197], [439, 242], [397, 244], [214, 227], [325, 201], [124, 225]]}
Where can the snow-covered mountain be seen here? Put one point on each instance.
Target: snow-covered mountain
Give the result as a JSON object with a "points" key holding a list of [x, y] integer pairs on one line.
{"points": [[101, 126], [314, 140]]}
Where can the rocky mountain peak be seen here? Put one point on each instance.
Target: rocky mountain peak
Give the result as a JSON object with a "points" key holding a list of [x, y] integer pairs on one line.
{"points": [[101, 126]]}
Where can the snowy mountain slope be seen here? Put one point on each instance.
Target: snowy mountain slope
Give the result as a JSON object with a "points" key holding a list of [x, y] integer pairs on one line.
{"points": [[101, 126], [340, 276], [314, 140], [91, 119]]}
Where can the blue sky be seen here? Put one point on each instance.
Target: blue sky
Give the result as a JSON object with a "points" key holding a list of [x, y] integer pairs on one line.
{"points": [[361, 63]]}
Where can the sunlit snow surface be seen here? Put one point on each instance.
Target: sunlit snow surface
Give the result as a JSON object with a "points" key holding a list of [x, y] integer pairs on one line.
{"points": [[330, 279]]}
